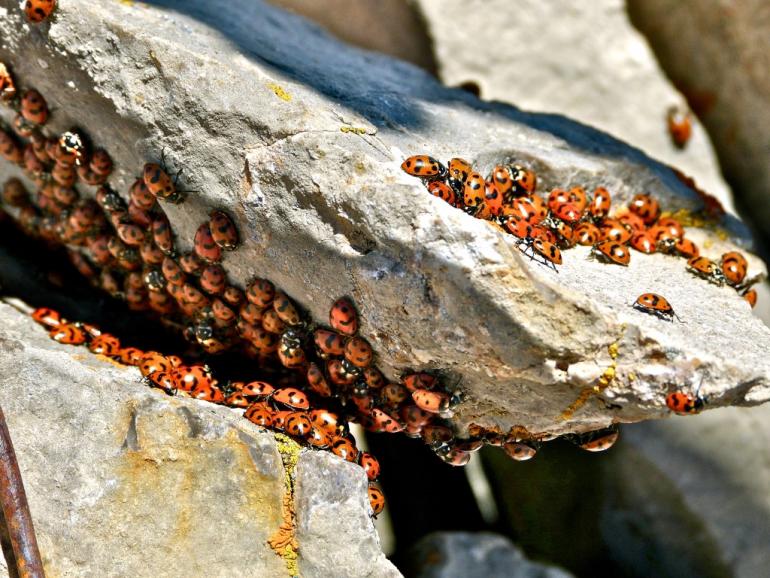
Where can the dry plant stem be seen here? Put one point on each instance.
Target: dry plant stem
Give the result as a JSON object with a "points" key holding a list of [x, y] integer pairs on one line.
{"points": [[16, 510]]}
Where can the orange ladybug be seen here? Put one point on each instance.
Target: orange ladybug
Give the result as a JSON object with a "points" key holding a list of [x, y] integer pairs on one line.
{"points": [[734, 267], [223, 231], [37, 11], [524, 180], [643, 242], [751, 296], [705, 268], [646, 207], [519, 450], [160, 184], [458, 172], [599, 207], [655, 305], [474, 190], [612, 252], [204, 245], [291, 397], [376, 500], [162, 380], [431, 401], [597, 440], [47, 317], [679, 126], [442, 191], [370, 465], [682, 403], [424, 166], [69, 333], [105, 344], [343, 317], [33, 107]]}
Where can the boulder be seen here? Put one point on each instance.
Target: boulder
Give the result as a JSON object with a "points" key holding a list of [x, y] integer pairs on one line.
{"points": [[463, 554], [301, 138], [586, 61], [718, 55], [123, 480]]}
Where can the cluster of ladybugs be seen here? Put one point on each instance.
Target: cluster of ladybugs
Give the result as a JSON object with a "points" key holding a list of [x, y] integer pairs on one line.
{"points": [[546, 227]]}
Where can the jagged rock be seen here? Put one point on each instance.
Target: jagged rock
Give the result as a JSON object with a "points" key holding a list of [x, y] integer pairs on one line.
{"points": [[585, 61], [463, 554], [300, 138], [718, 54], [125, 481], [691, 497]]}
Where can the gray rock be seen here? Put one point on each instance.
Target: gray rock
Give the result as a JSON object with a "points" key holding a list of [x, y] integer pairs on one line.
{"points": [[334, 527], [718, 54], [301, 138], [691, 497], [470, 555], [125, 481], [583, 60]]}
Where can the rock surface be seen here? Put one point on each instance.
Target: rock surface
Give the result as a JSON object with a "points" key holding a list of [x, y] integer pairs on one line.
{"points": [[718, 54], [301, 139], [461, 555], [125, 481], [583, 60], [691, 497]]}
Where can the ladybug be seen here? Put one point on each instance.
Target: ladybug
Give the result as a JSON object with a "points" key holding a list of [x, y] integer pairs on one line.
{"points": [[613, 230], [69, 333], [260, 414], [682, 403], [437, 435], [213, 280], [291, 397], [645, 207], [279, 419], [370, 465], [10, 149], [326, 420], [140, 195], [105, 344], [586, 234], [707, 269], [501, 180], [251, 314], [531, 208], [343, 317], [393, 394], [686, 248], [130, 356], [376, 500], [231, 295], [751, 296], [317, 381], [33, 107], [223, 314], [469, 445], [208, 392], [317, 437], [458, 172], [655, 305], [237, 399], [519, 451], [474, 190], [204, 245], [162, 235], [38, 10], [7, 85], [188, 377], [679, 126], [130, 234], [548, 251], [290, 356], [162, 380], [442, 191], [172, 271], [344, 448], [358, 352], [286, 310], [271, 322], [101, 163], [672, 227], [338, 373], [414, 416], [415, 381], [154, 361], [431, 401], [160, 184], [223, 231], [382, 421], [297, 424], [373, 378], [599, 207], [69, 149], [260, 292], [264, 341], [48, 317], [453, 456], [734, 266], [599, 440], [524, 180], [643, 242], [424, 166], [612, 252]]}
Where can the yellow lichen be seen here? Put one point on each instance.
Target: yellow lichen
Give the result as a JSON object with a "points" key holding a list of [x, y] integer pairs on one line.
{"points": [[353, 129], [602, 383], [279, 91], [283, 541]]}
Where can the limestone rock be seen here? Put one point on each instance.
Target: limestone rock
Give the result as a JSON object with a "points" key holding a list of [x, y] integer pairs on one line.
{"points": [[463, 554], [718, 54], [583, 60], [300, 139], [125, 481]]}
